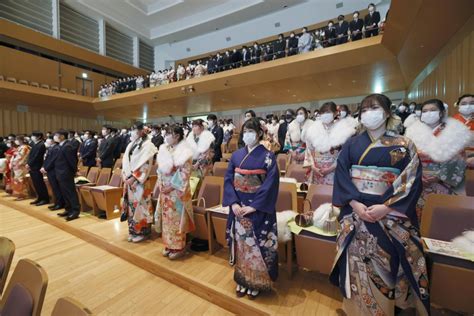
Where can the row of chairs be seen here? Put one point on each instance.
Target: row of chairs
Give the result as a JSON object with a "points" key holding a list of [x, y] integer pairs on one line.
{"points": [[36, 84], [26, 289]]}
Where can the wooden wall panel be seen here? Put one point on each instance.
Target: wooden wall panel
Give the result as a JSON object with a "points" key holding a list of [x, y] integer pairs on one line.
{"points": [[451, 73]]}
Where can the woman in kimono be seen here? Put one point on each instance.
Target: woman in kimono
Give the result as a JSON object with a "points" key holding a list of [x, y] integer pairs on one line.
{"points": [[228, 132], [174, 203], [136, 165], [379, 266], [250, 192], [19, 169], [324, 140], [9, 154], [295, 140], [272, 133], [440, 142], [200, 141]]}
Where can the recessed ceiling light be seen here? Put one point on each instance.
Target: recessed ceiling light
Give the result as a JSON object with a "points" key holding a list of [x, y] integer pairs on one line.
{"points": [[353, 81], [294, 95], [329, 84], [421, 46]]}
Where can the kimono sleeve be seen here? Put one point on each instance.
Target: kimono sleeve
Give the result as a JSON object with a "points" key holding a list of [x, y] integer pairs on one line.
{"points": [[344, 190], [267, 195], [308, 158], [180, 179], [230, 196], [141, 174], [288, 146]]}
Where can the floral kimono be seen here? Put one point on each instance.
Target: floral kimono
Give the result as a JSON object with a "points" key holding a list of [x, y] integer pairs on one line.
{"points": [[8, 170], [441, 154], [295, 140], [174, 208], [203, 153], [252, 179], [19, 183], [137, 162], [323, 146], [380, 266]]}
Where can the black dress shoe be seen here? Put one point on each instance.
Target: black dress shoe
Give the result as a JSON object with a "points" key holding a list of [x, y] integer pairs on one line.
{"points": [[41, 203], [63, 214], [72, 217], [55, 207], [34, 202]]}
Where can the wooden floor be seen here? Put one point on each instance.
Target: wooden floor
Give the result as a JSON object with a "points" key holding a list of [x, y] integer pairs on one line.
{"points": [[208, 276], [105, 283]]}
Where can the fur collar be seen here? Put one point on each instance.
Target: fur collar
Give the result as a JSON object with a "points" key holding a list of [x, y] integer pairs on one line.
{"points": [[177, 157], [450, 141], [205, 140], [322, 139], [144, 152], [273, 129], [465, 242], [298, 133]]}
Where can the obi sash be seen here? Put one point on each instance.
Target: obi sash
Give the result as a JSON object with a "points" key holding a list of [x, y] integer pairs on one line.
{"points": [[373, 180], [248, 181]]}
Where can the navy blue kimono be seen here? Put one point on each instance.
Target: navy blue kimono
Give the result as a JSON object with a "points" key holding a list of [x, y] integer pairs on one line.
{"points": [[252, 179], [387, 253]]}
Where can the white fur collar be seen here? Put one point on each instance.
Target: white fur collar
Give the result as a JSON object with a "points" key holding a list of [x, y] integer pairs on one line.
{"points": [[450, 141], [205, 140], [167, 159], [139, 156], [298, 133], [322, 139], [465, 242]]}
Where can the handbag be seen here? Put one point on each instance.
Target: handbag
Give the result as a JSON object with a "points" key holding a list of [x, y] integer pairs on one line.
{"points": [[123, 201]]}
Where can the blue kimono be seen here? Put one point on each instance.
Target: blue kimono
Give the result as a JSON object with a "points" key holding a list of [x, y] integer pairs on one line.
{"points": [[252, 179], [380, 266]]}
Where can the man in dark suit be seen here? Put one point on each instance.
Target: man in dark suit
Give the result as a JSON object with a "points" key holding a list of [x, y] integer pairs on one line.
{"points": [[371, 22], [74, 142], [356, 26], [279, 47], [117, 141], [211, 65], [65, 167], [248, 115], [34, 164], [52, 149], [283, 128], [88, 150], [219, 62], [218, 133], [330, 34], [246, 57], [256, 53], [236, 58], [107, 148], [124, 140], [156, 137], [342, 27], [292, 44]]}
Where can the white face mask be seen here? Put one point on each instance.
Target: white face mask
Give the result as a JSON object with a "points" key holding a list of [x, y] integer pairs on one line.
{"points": [[466, 109], [163, 133], [134, 135], [169, 139], [300, 118], [282, 121], [418, 113], [412, 108], [210, 124], [17, 142], [402, 108], [343, 114], [430, 118], [56, 139], [249, 138], [34, 138], [327, 118], [48, 143], [372, 119], [9, 145]]}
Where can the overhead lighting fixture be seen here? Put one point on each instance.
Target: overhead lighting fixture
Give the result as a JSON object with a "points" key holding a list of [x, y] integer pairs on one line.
{"points": [[84, 75], [378, 86]]}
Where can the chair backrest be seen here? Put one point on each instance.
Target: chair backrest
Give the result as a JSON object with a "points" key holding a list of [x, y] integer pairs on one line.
{"points": [[287, 199], [296, 171], [118, 163], [470, 182], [104, 176], [318, 194], [211, 191], [220, 168], [233, 144], [24, 82], [34, 84], [45, 86], [54, 88], [11, 79], [447, 216], [82, 171], [63, 89], [93, 174], [282, 161], [7, 250], [116, 178], [72, 91], [70, 307], [30, 276]]}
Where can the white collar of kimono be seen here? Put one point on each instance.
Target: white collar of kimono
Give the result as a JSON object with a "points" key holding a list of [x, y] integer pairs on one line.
{"points": [[139, 156]]}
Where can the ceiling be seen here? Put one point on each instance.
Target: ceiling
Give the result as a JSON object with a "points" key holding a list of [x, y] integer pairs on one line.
{"points": [[168, 21]]}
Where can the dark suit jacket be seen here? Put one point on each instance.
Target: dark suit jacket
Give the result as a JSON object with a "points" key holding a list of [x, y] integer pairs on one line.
{"points": [[236, 58], [65, 165], [279, 48], [356, 26], [211, 65], [218, 133], [125, 139], [118, 141], [50, 158], [256, 53], [88, 152], [75, 144], [330, 36], [342, 29], [220, 63], [282, 134], [36, 156], [292, 46], [107, 150], [371, 19], [3, 149]]}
